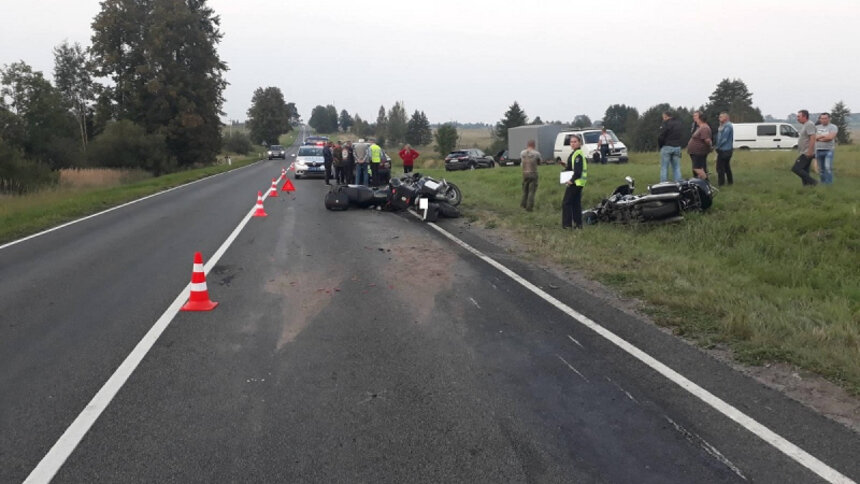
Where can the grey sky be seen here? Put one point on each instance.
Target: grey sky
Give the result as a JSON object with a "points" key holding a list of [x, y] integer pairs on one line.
{"points": [[469, 60]]}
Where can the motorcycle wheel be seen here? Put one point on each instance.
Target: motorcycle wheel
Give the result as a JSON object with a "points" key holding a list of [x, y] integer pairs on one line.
{"points": [[452, 194], [589, 217]]}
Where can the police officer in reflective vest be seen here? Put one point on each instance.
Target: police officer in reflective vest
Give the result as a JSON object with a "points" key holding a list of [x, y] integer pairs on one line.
{"points": [[375, 160], [571, 205]]}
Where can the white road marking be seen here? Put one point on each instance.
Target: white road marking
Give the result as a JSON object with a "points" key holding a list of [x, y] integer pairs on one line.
{"points": [[575, 341], [58, 227], [63, 448], [780, 443], [475, 303], [572, 368], [706, 446]]}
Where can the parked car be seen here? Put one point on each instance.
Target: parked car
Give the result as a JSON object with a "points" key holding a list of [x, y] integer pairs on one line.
{"points": [[503, 160], [309, 161], [769, 136], [468, 159], [277, 151], [589, 137], [315, 140]]}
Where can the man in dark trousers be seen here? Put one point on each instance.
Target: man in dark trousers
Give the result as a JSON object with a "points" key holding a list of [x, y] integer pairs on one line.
{"points": [[348, 163], [327, 159], [571, 205], [806, 149]]}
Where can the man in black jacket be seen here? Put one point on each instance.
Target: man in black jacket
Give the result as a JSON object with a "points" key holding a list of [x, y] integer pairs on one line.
{"points": [[669, 142], [327, 159]]}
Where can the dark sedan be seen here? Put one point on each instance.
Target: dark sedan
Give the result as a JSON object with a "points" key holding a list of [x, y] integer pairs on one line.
{"points": [[468, 159]]}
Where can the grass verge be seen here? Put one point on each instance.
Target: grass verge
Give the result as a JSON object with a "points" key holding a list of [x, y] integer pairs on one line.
{"points": [[24, 215], [772, 271]]}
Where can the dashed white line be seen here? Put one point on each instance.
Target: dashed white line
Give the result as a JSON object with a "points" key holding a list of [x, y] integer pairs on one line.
{"points": [[475, 303], [777, 441], [575, 341], [572, 368]]}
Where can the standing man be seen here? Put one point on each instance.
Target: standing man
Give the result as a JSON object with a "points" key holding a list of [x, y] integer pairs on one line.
{"points": [[669, 142], [806, 147], [825, 144], [530, 159], [375, 160], [408, 155], [327, 159], [348, 163], [700, 145], [725, 144], [571, 204], [605, 143], [337, 156], [361, 159]]}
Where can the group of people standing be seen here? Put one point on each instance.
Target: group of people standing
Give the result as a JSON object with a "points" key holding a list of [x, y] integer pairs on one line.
{"points": [[700, 145], [816, 144], [360, 163]]}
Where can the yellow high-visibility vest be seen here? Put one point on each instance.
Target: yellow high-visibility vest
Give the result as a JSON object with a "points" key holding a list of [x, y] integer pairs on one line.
{"points": [[582, 180], [375, 153]]}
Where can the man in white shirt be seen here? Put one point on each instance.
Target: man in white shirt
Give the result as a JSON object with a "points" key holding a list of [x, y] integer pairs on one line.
{"points": [[604, 144]]}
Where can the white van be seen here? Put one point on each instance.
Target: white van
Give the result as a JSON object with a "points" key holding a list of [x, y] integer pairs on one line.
{"points": [[764, 136], [589, 137]]}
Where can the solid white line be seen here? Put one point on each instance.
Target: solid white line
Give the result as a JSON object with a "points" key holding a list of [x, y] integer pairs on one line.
{"points": [[63, 448], [791, 450], [58, 227]]}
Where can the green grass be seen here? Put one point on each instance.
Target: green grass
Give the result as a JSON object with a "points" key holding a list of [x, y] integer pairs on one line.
{"points": [[24, 215], [771, 271]]}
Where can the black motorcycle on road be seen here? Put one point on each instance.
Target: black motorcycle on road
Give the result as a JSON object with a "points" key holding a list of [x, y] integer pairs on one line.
{"points": [[665, 202]]}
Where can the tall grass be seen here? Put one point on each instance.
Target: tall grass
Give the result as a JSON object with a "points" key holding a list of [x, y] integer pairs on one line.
{"points": [[772, 271]]}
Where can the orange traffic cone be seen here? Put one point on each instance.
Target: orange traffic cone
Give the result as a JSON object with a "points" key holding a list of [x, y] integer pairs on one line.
{"points": [[260, 212], [274, 190], [288, 186], [199, 298], [283, 172], [292, 167]]}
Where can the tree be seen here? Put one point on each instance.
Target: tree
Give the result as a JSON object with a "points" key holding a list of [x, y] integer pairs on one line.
{"points": [[618, 118], [345, 121], [73, 78], [581, 121], [418, 130], [37, 117], [514, 117], [268, 116], [446, 139], [125, 144], [322, 121], [381, 124], [168, 77], [733, 97], [396, 129], [839, 116], [537, 121]]}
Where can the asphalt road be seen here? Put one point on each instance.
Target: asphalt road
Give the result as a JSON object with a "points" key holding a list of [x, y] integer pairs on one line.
{"points": [[355, 346]]}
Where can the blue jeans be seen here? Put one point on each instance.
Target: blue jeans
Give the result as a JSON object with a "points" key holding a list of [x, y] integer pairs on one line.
{"points": [[670, 155], [825, 165], [361, 177]]}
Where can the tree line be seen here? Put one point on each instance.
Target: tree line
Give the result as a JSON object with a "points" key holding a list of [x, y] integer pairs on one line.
{"points": [[146, 94], [639, 131]]}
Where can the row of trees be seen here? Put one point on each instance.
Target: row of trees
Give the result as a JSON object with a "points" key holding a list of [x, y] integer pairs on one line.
{"points": [[146, 94], [639, 132], [391, 127]]}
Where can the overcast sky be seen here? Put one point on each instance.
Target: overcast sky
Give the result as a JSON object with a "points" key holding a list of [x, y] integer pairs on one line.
{"points": [[469, 60]]}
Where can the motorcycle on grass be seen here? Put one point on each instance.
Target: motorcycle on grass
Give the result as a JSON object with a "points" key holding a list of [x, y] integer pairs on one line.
{"points": [[665, 202]]}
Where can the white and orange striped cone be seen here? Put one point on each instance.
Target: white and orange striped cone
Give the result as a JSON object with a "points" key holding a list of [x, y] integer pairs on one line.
{"points": [[283, 172], [273, 192], [199, 298], [260, 212]]}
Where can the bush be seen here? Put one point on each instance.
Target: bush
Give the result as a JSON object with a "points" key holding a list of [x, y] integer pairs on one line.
{"points": [[19, 175], [124, 144], [237, 142]]}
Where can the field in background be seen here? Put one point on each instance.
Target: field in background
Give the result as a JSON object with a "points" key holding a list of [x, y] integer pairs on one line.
{"points": [[771, 272]]}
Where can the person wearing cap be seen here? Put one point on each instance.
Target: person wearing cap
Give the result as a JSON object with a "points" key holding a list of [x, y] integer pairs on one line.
{"points": [[571, 204]]}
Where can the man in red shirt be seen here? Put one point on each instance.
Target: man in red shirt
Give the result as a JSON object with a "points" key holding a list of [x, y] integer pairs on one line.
{"points": [[408, 155]]}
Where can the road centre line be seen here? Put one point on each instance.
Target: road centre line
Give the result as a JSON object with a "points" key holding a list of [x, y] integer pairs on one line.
{"points": [[47, 468], [780, 443]]}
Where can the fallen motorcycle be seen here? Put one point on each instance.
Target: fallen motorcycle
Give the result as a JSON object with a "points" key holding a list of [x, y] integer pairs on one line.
{"points": [[400, 194], [433, 189], [665, 202]]}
